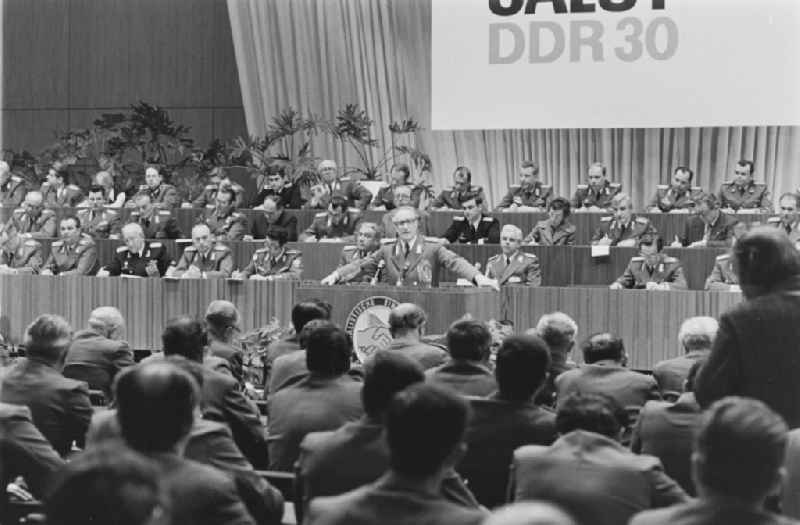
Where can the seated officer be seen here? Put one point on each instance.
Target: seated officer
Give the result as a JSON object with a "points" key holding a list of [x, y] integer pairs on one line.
{"points": [[162, 195], [461, 191], [402, 197], [512, 266], [354, 194], [530, 194], [218, 180], [653, 269], [742, 193], [74, 253], [96, 220], [788, 219], [12, 187], [597, 195], [57, 192], [722, 277], [338, 223], [18, 255], [400, 177], [273, 215], [623, 228], [680, 196], [555, 230], [273, 261], [277, 184], [156, 224], [225, 222], [204, 259], [708, 227], [473, 227], [33, 219], [138, 257], [411, 259], [368, 240]]}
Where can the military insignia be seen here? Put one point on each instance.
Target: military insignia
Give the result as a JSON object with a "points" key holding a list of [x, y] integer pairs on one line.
{"points": [[368, 325]]}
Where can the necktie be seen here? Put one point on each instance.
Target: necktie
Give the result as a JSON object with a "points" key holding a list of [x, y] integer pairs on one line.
{"points": [[788, 229], [406, 249], [508, 261]]}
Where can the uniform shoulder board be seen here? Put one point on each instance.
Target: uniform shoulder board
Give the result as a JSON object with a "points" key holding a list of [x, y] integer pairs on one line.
{"points": [[583, 186], [32, 243], [774, 220], [349, 248], [459, 218], [488, 219], [637, 259], [73, 187], [19, 211], [436, 240], [606, 219], [261, 250], [111, 212], [45, 184], [294, 253], [57, 243], [475, 189], [670, 260], [515, 186], [529, 255], [615, 185], [155, 245], [46, 212], [642, 220], [353, 210], [237, 215], [85, 241], [190, 249], [166, 213], [759, 185], [345, 179], [546, 186], [211, 186], [221, 247], [723, 257], [495, 257], [16, 178], [121, 249], [662, 186], [321, 214], [697, 188], [388, 240]]}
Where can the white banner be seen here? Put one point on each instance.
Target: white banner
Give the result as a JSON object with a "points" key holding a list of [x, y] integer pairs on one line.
{"points": [[501, 64]]}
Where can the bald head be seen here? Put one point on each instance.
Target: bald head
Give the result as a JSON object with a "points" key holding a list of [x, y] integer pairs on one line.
{"points": [[34, 198], [222, 320], [107, 321], [407, 320], [529, 513]]}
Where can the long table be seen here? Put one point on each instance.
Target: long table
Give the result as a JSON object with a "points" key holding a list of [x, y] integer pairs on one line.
{"points": [[647, 321]]}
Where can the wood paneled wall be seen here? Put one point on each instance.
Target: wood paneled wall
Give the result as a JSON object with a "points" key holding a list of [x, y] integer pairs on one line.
{"points": [[67, 61]]}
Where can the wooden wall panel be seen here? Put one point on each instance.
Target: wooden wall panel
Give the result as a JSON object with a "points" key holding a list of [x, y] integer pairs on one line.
{"points": [[31, 129]]}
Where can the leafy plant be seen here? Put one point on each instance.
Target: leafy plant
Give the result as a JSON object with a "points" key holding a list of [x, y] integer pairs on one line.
{"points": [[354, 127], [254, 344]]}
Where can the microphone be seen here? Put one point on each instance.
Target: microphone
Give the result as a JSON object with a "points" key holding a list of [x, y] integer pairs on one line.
{"points": [[378, 271]]}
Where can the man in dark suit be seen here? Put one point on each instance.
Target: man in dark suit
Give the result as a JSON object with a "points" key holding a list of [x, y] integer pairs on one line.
{"points": [[99, 352], [696, 336], [276, 184], [587, 472], [407, 325], [274, 216], [353, 192], [666, 430], [60, 407], [223, 323], [507, 419], [156, 410], [468, 344], [737, 464], [356, 454], [605, 373], [324, 400], [473, 227], [755, 352], [709, 227], [410, 492]]}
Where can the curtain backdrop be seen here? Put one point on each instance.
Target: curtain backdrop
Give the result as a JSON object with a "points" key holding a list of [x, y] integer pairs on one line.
{"points": [[318, 55]]}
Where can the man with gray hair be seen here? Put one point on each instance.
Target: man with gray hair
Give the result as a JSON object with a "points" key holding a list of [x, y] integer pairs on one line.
{"points": [[512, 266], [407, 325], [223, 322], [696, 336], [138, 257], [33, 219], [99, 352], [558, 330], [623, 228], [60, 406], [12, 187]]}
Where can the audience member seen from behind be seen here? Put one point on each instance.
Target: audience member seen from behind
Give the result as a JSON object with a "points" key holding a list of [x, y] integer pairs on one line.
{"points": [[425, 427], [587, 472], [157, 403], [558, 330], [324, 400], [507, 419], [60, 406], [111, 485], [696, 336], [530, 513], [737, 464], [223, 322], [754, 353], [467, 373], [407, 325]]}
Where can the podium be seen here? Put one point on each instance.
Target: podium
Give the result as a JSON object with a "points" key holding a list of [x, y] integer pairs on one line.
{"points": [[363, 310]]}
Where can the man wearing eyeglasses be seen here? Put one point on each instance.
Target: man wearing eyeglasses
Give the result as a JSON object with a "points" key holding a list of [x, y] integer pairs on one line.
{"points": [[742, 194], [411, 260], [512, 266], [788, 218]]}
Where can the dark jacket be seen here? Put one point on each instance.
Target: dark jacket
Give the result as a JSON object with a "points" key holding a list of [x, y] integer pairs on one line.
{"points": [[720, 233], [461, 231], [699, 512], [628, 388], [465, 377], [286, 221], [670, 374], [98, 359]]}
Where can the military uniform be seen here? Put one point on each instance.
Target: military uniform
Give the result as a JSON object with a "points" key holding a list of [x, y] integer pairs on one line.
{"points": [[26, 258], [80, 259], [385, 197], [792, 230], [667, 199], [357, 195], [416, 267], [288, 265], [289, 197], [666, 270], [100, 224], [538, 196], [218, 262], [159, 225], [208, 197], [324, 228], [722, 276], [389, 229], [587, 196], [717, 234], [545, 234], [165, 196], [229, 227], [462, 231], [453, 198], [70, 195], [43, 226], [126, 262], [351, 254], [520, 268], [755, 197], [616, 231], [12, 193]]}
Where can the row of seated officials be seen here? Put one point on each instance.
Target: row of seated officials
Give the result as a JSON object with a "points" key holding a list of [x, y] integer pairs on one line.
{"points": [[418, 434]]}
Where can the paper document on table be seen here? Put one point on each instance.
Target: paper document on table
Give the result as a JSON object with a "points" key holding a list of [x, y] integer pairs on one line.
{"points": [[601, 250]]}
